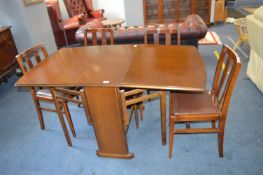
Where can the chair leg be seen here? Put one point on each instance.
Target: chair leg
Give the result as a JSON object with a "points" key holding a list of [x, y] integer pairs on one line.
{"points": [[64, 127], [221, 144], [171, 137], [69, 119], [213, 123], [188, 125], [141, 111], [39, 114], [136, 116], [237, 44]]}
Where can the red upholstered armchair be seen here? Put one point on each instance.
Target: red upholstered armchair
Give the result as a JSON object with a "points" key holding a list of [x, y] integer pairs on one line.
{"points": [[85, 7], [63, 30]]}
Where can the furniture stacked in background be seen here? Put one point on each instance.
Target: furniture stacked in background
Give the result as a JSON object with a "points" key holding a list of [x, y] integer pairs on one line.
{"points": [[8, 51], [64, 30], [191, 30], [167, 11], [255, 38]]}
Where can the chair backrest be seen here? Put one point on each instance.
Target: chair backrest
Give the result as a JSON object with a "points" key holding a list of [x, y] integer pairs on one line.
{"points": [[156, 34], [225, 78], [76, 7], [31, 57], [99, 34]]}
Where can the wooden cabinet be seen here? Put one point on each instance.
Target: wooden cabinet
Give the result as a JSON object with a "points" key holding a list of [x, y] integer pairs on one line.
{"points": [[8, 51], [167, 11], [220, 11]]}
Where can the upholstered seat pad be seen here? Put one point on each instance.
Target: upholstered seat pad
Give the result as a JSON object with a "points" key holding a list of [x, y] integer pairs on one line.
{"points": [[44, 93], [195, 104]]}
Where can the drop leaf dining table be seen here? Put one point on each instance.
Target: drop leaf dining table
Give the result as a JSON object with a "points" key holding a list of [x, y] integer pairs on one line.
{"points": [[102, 70]]}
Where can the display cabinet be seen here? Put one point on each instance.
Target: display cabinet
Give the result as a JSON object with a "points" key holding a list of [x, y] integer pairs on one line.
{"points": [[167, 11]]}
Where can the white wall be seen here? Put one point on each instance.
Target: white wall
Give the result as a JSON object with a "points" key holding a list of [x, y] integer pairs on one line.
{"points": [[30, 25], [133, 12], [113, 9]]}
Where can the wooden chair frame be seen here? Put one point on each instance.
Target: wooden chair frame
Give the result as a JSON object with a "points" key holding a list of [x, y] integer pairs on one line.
{"points": [[103, 32], [63, 96], [139, 99], [222, 88], [27, 60]]}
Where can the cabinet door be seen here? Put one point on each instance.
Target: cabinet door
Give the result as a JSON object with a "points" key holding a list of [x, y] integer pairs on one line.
{"points": [[185, 8], [152, 11], [203, 8], [220, 11], [7, 51], [169, 11]]}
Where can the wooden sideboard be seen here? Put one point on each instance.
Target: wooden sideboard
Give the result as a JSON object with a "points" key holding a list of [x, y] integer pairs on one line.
{"points": [[168, 11], [8, 51], [220, 11]]}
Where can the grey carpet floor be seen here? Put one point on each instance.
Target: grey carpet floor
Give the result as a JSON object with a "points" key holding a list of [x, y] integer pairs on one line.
{"points": [[25, 149]]}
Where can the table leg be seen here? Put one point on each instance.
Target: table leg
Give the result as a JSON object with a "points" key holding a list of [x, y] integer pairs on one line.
{"points": [[107, 118]]}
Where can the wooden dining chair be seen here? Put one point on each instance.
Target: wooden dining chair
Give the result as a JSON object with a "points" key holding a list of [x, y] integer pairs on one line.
{"points": [[156, 34], [27, 60], [104, 35], [209, 106], [61, 97], [127, 102]]}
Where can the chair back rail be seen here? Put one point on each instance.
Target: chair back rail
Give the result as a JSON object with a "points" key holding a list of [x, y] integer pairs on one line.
{"points": [[225, 77], [30, 57], [99, 34]]}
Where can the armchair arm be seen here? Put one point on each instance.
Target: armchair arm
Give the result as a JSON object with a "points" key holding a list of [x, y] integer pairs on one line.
{"points": [[74, 22], [96, 13]]}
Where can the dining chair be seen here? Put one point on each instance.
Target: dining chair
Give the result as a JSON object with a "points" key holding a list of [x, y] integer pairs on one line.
{"points": [[209, 106], [104, 35], [156, 34], [127, 102], [27, 60], [61, 97]]}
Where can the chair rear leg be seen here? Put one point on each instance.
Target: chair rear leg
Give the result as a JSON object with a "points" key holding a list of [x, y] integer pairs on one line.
{"points": [[213, 123], [188, 125], [171, 137], [141, 111], [136, 116], [69, 119]]}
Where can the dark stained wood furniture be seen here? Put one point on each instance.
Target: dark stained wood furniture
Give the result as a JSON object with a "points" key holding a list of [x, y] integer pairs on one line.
{"points": [[171, 11], [8, 51], [99, 34], [209, 106], [102, 70], [27, 61]]}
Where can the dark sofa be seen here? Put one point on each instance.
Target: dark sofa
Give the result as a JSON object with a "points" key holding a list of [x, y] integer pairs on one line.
{"points": [[191, 29]]}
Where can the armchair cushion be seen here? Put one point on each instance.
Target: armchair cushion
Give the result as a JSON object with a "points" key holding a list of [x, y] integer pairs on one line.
{"points": [[259, 13]]}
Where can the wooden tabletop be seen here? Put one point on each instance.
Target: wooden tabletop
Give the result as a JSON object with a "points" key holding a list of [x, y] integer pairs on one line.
{"points": [[141, 66], [112, 22]]}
